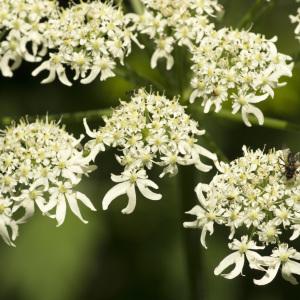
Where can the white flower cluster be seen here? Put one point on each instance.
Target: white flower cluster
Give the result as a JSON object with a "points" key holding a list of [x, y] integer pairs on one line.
{"points": [[40, 164], [240, 66], [296, 19], [149, 130], [257, 197], [89, 38], [181, 22], [22, 27]]}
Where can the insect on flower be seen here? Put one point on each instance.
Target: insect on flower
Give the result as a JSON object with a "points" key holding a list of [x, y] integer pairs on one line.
{"points": [[291, 163]]}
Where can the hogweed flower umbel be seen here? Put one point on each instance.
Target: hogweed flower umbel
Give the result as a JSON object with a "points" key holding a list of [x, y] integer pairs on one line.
{"points": [[177, 22], [239, 66], [22, 31], [149, 130], [260, 205], [90, 39], [41, 164]]}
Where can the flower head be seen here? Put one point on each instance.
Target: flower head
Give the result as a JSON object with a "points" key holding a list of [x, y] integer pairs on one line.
{"points": [[40, 166], [177, 22], [149, 130], [89, 38], [24, 23], [254, 198], [239, 66]]}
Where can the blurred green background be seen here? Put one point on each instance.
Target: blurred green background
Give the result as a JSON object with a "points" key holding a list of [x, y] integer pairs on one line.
{"points": [[142, 256]]}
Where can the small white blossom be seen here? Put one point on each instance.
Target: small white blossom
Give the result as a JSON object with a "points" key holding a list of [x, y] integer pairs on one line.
{"points": [[244, 249], [126, 185], [149, 130], [286, 258]]}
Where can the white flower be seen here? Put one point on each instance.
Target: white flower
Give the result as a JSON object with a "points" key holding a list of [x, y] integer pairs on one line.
{"points": [[89, 38], [163, 50], [240, 66], [63, 193], [284, 257], [243, 102], [243, 249], [41, 164], [252, 196], [207, 214], [171, 22], [148, 131], [126, 185], [25, 23], [55, 67]]}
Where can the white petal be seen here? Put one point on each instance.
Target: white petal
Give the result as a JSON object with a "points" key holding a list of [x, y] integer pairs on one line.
{"points": [[85, 200], [250, 109], [88, 130], [74, 207], [62, 75], [209, 227], [131, 200], [287, 270], [29, 211], [146, 192], [4, 234], [269, 276], [91, 77], [61, 210], [233, 258], [114, 192]]}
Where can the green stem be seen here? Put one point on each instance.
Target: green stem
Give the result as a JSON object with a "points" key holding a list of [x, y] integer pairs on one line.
{"points": [[137, 6], [223, 114], [258, 8], [76, 117], [269, 122], [214, 147], [191, 242], [139, 80]]}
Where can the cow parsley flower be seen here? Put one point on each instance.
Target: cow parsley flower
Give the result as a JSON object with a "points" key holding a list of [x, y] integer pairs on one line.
{"points": [[149, 130], [177, 22], [89, 38], [22, 27], [239, 66], [41, 164], [259, 204]]}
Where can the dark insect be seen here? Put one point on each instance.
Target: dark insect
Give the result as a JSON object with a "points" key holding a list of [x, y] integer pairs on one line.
{"points": [[291, 164]]}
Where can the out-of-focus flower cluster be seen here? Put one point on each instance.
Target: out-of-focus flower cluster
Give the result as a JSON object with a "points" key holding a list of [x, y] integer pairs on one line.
{"points": [[149, 130], [22, 31], [40, 164], [296, 19], [181, 22], [256, 197], [239, 66]]}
